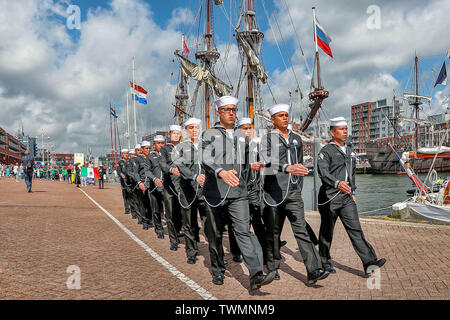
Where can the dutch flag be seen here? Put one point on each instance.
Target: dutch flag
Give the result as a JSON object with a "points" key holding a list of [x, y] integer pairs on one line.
{"points": [[140, 94]]}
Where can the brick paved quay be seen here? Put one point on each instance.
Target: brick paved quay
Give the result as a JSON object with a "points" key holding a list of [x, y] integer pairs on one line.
{"points": [[44, 232]]}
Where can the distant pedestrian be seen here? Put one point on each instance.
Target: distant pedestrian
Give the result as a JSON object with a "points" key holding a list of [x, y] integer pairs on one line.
{"points": [[16, 172], [69, 175], [28, 163], [101, 181], [77, 176]]}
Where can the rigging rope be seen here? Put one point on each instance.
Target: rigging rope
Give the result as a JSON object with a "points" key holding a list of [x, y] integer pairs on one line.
{"points": [[297, 37]]}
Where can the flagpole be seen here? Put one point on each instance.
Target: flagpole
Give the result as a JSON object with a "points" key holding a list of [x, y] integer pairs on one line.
{"points": [[134, 106], [110, 132], [115, 139], [314, 27], [128, 123], [319, 86]]}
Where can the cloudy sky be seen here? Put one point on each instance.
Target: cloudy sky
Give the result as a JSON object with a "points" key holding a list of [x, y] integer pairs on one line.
{"points": [[61, 80]]}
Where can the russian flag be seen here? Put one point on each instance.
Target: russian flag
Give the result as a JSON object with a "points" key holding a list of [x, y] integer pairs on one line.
{"points": [[323, 40], [140, 94]]}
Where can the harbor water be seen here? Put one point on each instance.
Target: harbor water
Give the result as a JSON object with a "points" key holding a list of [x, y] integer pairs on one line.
{"points": [[373, 191]]}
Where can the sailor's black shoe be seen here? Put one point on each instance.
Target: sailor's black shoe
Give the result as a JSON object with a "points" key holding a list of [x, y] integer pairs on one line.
{"points": [[330, 269], [218, 280], [237, 258], [369, 267], [174, 246], [316, 275], [277, 275], [261, 279]]}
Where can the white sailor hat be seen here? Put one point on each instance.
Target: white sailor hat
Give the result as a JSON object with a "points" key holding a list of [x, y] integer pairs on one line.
{"points": [[339, 121], [243, 121], [279, 108], [132, 152], [192, 121], [138, 146], [226, 100], [124, 150], [159, 138], [175, 127], [145, 144]]}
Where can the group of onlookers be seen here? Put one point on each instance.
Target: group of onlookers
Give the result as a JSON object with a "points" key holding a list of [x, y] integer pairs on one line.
{"points": [[11, 171]]}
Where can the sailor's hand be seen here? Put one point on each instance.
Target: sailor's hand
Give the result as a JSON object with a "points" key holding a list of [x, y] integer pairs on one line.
{"points": [[200, 179], [158, 182], [229, 177], [257, 166], [176, 171], [297, 169], [354, 198], [344, 187], [142, 186]]}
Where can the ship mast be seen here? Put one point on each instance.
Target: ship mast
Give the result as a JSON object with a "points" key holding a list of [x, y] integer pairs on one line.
{"points": [[318, 94], [181, 95], [209, 55], [249, 39]]}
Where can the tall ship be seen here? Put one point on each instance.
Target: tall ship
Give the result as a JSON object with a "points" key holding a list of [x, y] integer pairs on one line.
{"points": [[420, 142]]}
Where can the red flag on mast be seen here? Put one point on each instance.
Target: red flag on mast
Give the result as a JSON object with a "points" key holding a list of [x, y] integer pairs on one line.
{"points": [[185, 47]]}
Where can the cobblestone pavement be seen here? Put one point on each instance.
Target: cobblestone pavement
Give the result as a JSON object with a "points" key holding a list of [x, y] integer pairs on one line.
{"points": [[44, 232]]}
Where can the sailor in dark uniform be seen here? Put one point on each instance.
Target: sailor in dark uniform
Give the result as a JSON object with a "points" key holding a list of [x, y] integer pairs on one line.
{"points": [[135, 179], [282, 157], [121, 171], [154, 177], [131, 184], [336, 168], [190, 187], [225, 160], [254, 184], [141, 184], [170, 194]]}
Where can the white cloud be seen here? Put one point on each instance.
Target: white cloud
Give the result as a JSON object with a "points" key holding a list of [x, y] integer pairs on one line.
{"points": [[49, 80]]}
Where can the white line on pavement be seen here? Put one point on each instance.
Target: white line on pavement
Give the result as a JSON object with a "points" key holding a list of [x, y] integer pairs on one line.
{"points": [[185, 279]]}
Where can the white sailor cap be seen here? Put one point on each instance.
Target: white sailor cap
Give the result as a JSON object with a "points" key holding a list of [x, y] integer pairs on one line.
{"points": [[337, 122], [132, 152], [138, 146], [192, 121], [145, 144], [175, 127], [226, 100], [243, 121], [124, 150], [289, 126], [159, 138], [279, 108]]}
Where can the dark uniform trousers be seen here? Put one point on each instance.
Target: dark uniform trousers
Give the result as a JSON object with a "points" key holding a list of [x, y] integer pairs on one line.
{"points": [[171, 209], [274, 217], [126, 200], [190, 225], [157, 209], [259, 228], [140, 206], [237, 210], [101, 183], [343, 207]]}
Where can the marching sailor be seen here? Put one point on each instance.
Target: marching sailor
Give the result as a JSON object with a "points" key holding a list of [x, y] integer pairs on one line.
{"points": [[142, 185], [131, 184], [190, 187], [337, 198], [170, 180], [254, 183], [135, 166], [154, 177], [225, 160], [282, 157], [121, 170]]}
